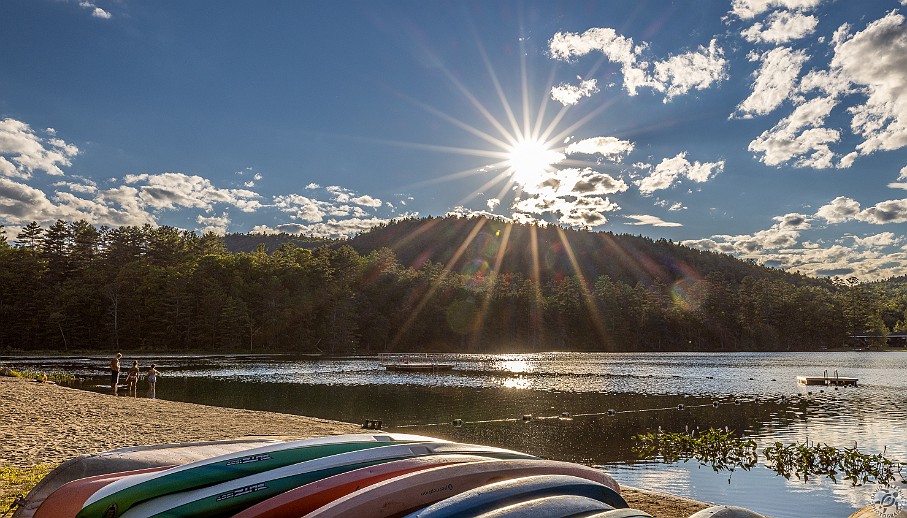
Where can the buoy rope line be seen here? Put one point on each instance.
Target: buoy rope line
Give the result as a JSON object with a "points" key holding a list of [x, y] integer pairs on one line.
{"points": [[566, 416]]}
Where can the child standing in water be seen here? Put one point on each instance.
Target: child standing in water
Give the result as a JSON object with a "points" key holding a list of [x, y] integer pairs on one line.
{"points": [[132, 377], [151, 376]]}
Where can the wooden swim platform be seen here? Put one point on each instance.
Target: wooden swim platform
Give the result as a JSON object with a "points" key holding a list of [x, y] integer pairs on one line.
{"points": [[825, 379]]}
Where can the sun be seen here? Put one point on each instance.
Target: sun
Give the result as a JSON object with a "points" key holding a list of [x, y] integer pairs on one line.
{"points": [[530, 159]]}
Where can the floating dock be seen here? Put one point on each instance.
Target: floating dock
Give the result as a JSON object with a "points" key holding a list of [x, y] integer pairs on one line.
{"points": [[418, 367], [826, 380]]}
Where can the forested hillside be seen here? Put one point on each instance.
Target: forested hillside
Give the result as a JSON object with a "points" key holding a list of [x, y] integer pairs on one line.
{"points": [[452, 284]]}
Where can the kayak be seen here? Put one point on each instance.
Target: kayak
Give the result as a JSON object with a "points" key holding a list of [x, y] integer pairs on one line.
{"points": [[414, 491], [67, 500], [116, 498], [509, 492], [308, 498], [558, 506], [237, 494]]}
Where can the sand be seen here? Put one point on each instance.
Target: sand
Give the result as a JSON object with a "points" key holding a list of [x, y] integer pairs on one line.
{"points": [[46, 423]]}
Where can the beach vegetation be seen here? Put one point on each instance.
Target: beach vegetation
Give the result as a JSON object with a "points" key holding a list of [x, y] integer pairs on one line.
{"points": [[16, 482], [54, 377]]}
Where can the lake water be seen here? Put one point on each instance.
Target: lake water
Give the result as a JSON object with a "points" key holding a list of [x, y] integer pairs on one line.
{"points": [[757, 396]]}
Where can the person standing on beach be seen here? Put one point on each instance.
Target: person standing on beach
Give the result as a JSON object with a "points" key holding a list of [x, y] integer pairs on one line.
{"points": [[132, 377], [151, 376], [115, 373]]}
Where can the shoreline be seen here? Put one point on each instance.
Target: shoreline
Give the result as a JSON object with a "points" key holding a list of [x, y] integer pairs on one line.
{"points": [[49, 424]]}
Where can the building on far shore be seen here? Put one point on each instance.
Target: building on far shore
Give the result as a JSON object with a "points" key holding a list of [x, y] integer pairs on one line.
{"points": [[866, 340]]}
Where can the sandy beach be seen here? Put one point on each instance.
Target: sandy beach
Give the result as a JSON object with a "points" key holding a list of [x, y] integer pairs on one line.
{"points": [[46, 423]]}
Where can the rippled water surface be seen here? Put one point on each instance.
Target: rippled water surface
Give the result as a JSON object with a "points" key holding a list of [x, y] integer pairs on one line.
{"points": [[757, 395]]}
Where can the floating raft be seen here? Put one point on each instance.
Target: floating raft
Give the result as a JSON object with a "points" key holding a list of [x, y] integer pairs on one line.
{"points": [[418, 367], [825, 380]]}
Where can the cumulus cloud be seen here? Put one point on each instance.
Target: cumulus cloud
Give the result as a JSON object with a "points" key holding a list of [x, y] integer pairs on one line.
{"points": [[216, 224], [654, 221], [96, 11], [903, 174], [332, 229], [175, 190], [21, 203], [610, 148], [839, 210], [697, 70], [672, 170], [22, 151], [800, 136], [891, 211], [883, 239], [748, 9], [775, 80], [875, 60], [301, 207], [793, 221], [673, 76], [574, 196], [782, 27], [569, 95]]}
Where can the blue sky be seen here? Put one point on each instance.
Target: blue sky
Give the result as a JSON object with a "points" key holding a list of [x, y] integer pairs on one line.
{"points": [[774, 130]]}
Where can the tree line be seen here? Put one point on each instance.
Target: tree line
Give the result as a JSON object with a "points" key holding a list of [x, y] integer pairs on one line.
{"points": [[74, 287]]}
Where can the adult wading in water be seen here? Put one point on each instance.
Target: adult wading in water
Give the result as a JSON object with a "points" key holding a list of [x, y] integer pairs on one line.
{"points": [[115, 373]]}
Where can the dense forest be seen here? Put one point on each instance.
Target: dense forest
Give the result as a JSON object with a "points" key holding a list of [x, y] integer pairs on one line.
{"points": [[432, 284]]}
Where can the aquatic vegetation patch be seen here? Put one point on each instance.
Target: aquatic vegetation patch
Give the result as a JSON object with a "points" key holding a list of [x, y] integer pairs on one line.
{"points": [[723, 451], [805, 460], [719, 449]]}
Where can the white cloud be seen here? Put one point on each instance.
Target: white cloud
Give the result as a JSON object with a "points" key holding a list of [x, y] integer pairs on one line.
{"points": [[215, 224], [96, 11], [366, 201], [301, 207], [569, 95], [21, 204], [800, 136], [609, 147], [674, 76], [783, 26], [793, 221], [692, 70], [747, 9], [672, 170], [774, 83], [875, 59], [878, 240], [671, 206], [174, 190], [25, 152], [839, 210], [312, 186], [492, 203], [891, 211], [333, 228], [654, 221], [903, 174]]}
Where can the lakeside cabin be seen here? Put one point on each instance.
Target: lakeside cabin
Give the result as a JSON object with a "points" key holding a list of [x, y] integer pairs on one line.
{"points": [[866, 340]]}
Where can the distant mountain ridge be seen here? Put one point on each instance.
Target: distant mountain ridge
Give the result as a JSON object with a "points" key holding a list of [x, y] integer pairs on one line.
{"points": [[473, 245]]}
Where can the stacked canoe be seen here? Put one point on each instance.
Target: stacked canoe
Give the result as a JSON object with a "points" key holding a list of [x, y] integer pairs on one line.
{"points": [[357, 476]]}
